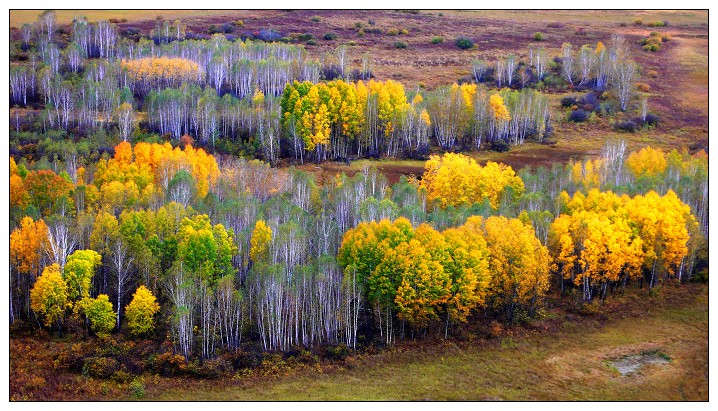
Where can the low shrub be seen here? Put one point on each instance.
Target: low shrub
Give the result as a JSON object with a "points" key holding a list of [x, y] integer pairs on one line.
{"points": [[167, 364], [643, 87], [304, 36], [121, 376], [701, 276], [638, 22], [268, 35], [100, 367], [316, 19], [652, 42], [137, 388], [311, 43], [656, 24], [651, 120], [538, 36], [400, 45], [500, 146], [213, 368], [331, 36], [652, 73], [337, 352], [628, 126], [228, 28], [392, 32], [437, 40], [464, 43], [578, 116], [569, 101]]}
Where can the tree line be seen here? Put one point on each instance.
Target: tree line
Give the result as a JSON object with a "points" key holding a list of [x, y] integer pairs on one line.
{"points": [[231, 249], [235, 94]]}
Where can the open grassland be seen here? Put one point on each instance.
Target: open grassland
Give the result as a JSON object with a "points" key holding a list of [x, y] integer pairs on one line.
{"points": [[411, 66], [566, 354], [571, 363], [20, 17]]}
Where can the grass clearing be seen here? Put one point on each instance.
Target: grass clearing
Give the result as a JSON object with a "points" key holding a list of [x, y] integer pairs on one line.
{"points": [[570, 364]]}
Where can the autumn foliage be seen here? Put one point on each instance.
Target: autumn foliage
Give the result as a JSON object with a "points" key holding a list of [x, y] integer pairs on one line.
{"points": [[423, 274], [141, 310], [153, 72], [456, 179], [604, 238], [48, 296]]}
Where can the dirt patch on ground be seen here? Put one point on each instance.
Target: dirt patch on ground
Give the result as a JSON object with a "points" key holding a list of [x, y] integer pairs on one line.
{"points": [[632, 363]]}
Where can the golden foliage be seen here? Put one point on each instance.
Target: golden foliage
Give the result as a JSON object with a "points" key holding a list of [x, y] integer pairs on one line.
{"points": [[48, 296], [27, 243], [160, 71], [259, 243], [456, 179], [141, 310], [647, 162]]}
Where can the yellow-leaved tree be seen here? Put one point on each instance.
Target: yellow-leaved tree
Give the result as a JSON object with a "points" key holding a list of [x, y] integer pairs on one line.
{"points": [[140, 312], [48, 296], [647, 162], [259, 243], [519, 263], [663, 222], [456, 179]]}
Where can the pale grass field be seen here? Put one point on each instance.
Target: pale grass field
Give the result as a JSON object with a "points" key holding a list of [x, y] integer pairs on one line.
{"points": [[572, 364]]}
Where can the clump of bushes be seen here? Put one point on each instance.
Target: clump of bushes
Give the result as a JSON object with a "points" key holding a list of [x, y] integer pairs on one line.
{"points": [[224, 28], [99, 367], [464, 43], [137, 388], [628, 126], [578, 116], [643, 87], [392, 32], [638, 22], [652, 73], [569, 101], [268, 35], [316, 19], [311, 43], [437, 40], [331, 36], [588, 102], [651, 120], [337, 352], [500, 146], [652, 42], [538, 36], [302, 36], [400, 45], [657, 24]]}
